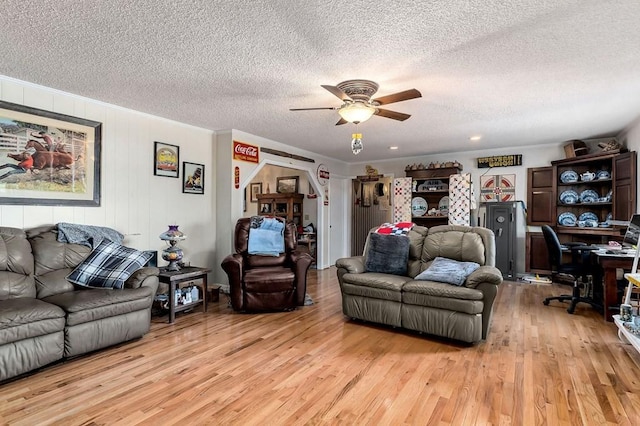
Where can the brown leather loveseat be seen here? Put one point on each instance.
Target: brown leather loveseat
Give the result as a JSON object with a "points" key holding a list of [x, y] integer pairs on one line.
{"points": [[45, 318]]}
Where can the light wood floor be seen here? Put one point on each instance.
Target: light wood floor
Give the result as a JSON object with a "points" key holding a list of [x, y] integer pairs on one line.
{"points": [[539, 365]]}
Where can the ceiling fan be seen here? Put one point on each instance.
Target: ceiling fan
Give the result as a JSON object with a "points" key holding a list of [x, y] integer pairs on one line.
{"points": [[357, 103]]}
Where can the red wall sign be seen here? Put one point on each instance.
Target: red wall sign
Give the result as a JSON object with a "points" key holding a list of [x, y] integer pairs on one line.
{"points": [[236, 177], [245, 152]]}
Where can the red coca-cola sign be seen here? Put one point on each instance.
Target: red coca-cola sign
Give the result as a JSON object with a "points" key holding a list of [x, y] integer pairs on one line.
{"points": [[245, 152]]}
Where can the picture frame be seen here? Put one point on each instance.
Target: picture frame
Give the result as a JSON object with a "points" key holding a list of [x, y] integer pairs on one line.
{"points": [[244, 200], [166, 160], [287, 184], [48, 158], [192, 178], [256, 188]]}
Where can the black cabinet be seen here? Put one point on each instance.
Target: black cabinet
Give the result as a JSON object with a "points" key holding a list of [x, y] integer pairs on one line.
{"points": [[501, 219]]}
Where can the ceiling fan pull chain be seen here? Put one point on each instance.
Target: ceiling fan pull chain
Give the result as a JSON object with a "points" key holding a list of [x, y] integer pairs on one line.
{"points": [[356, 142]]}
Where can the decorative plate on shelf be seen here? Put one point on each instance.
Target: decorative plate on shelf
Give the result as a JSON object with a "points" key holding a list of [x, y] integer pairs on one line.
{"points": [[419, 206], [603, 174], [567, 219], [443, 205], [588, 216], [568, 176], [569, 197], [589, 196]]}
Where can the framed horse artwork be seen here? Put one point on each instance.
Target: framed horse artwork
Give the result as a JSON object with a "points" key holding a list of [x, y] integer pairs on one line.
{"points": [[48, 158]]}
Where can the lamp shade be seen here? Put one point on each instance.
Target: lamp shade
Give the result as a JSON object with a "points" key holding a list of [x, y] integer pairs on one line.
{"points": [[356, 112], [173, 234]]}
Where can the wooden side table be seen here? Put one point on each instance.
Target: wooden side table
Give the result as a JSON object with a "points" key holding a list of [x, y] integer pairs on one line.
{"points": [[174, 278]]}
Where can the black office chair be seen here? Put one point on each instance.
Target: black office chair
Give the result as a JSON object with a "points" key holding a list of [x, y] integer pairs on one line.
{"points": [[577, 270]]}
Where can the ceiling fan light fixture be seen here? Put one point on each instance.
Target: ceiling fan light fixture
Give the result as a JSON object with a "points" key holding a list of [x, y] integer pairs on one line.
{"points": [[356, 112]]}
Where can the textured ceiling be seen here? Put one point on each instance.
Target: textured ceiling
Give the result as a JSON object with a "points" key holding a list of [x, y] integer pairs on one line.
{"points": [[517, 72]]}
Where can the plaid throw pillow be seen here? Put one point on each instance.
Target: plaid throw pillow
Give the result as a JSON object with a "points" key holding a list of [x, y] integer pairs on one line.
{"points": [[109, 265]]}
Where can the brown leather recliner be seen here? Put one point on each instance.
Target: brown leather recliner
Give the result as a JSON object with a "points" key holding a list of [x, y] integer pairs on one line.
{"points": [[266, 283]]}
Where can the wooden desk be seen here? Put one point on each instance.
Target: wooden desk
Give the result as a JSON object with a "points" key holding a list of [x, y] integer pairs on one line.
{"points": [[609, 264]]}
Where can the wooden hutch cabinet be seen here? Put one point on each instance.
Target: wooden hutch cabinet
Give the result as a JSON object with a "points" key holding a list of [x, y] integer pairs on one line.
{"points": [[432, 186], [552, 196], [288, 206]]}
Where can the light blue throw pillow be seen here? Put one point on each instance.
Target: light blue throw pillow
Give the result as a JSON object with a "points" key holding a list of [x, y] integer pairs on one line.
{"points": [[448, 271]]}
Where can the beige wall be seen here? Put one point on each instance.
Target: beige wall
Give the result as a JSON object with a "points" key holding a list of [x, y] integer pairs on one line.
{"points": [[134, 201], [630, 137]]}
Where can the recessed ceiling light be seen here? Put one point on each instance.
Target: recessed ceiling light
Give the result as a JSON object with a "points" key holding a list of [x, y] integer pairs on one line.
{"points": [[393, 147], [475, 138]]}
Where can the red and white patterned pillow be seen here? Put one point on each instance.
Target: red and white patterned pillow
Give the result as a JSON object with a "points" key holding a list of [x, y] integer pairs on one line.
{"points": [[398, 228]]}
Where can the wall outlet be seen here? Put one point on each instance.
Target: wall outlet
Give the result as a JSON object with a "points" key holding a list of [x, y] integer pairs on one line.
{"points": [[306, 217]]}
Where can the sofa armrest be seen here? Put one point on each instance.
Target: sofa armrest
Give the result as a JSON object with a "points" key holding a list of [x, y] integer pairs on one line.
{"points": [[233, 266], [484, 274], [302, 261], [486, 279], [352, 265], [143, 277]]}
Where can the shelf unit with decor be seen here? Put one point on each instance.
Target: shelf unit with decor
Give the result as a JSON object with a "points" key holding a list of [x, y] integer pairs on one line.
{"points": [[614, 196], [286, 205], [432, 185]]}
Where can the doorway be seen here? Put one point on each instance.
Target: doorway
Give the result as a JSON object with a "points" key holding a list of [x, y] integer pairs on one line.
{"points": [[266, 181], [371, 206]]}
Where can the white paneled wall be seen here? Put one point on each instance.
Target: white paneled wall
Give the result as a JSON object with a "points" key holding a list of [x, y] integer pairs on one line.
{"points": [[133, 200]]}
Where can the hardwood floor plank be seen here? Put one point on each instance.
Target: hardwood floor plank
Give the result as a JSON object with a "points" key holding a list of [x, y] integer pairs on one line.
{"points": [[539, 365]]}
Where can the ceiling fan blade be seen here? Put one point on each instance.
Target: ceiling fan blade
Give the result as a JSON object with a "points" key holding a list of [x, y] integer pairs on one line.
{"points": [[398, 97], [310, 109], [337, 92], [341, 121], [400, 116]]}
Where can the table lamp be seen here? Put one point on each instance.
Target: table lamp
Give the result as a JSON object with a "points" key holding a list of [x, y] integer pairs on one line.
{"points": [[172, 254]]}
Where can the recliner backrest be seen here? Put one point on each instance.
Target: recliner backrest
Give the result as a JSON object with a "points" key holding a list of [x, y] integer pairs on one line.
{"points": [[16, 265], [241, 236], [462, 243]]}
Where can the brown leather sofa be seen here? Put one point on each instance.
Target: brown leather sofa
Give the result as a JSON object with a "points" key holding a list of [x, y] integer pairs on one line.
{"points": [[455, 312], [266, 283], [45, 318]]}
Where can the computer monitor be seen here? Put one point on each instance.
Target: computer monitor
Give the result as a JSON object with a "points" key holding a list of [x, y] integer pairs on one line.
{"points": [[633, 231]]}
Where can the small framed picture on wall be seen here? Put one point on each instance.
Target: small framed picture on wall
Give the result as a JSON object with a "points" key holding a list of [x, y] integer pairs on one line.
{"points": [[166, 160], [256, 188], [192, 178]]}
